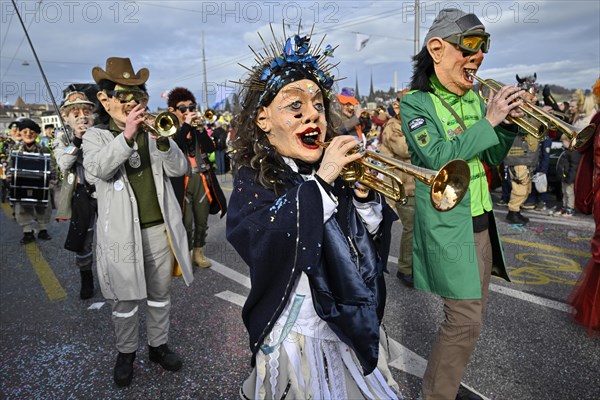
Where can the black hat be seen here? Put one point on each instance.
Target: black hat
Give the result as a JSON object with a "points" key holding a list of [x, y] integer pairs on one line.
{"points": [[28, 123], [14, 124]]}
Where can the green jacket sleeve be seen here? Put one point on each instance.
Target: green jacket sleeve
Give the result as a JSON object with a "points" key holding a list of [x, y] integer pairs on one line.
{"points": [[506, 136], [427, 140]]}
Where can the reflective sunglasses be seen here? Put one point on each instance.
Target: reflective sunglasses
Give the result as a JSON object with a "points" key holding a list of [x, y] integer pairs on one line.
{"points": [[190, 108], [471, 42], [125, 96]]}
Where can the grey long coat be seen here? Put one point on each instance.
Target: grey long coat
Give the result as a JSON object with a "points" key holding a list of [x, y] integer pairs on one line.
{"points": [[119, 254]]}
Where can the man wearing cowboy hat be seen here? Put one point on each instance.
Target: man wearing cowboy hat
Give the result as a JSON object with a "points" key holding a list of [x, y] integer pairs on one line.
{"points": [[78, 204], [140, 233]]}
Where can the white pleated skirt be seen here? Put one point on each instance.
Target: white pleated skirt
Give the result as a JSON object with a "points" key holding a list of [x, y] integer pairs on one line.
{"points": [[305, 367]]}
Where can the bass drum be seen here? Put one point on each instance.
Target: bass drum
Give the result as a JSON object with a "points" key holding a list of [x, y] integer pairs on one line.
{"points": [[30, 178]]}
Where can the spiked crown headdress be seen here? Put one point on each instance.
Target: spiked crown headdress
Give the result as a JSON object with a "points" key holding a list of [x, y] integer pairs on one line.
{"points": [[288, 60]]}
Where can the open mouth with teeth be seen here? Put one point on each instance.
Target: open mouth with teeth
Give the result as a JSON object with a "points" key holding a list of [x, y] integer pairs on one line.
{"points": [[468, 74], [309, 136]]}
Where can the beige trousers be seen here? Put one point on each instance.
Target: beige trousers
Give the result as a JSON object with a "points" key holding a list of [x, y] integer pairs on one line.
{"points": [[458, 333], [521, 187]]}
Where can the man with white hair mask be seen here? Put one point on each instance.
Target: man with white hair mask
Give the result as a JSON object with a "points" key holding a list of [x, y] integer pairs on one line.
{"points": [[455, 252], [78, 197]]}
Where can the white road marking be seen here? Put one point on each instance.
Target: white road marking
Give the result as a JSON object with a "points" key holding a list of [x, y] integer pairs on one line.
{"points": [[517, 294], [405, 359], [230, 273], [96, 306], [232, 297], [553, 220], [557, 305]]}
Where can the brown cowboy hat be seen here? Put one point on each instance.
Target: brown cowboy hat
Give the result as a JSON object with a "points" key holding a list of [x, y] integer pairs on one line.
{"points": [[119, 70]]}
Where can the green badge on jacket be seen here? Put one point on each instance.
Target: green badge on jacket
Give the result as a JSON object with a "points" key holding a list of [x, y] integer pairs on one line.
{"points": [[422, 138]]}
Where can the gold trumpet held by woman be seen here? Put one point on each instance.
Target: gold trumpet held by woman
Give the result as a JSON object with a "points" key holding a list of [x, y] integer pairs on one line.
{"points": [[448, 185], [537, 122]]}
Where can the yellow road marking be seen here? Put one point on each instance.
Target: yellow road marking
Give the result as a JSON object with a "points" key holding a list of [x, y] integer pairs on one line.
{"points": [[548, 247], [47, 278], [7, 209], [51, 285]]}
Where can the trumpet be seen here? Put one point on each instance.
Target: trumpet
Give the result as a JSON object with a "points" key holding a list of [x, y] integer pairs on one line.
{"points": [[448, 185], [209, 116], [537, 121], [163, 124], [197, 120]]}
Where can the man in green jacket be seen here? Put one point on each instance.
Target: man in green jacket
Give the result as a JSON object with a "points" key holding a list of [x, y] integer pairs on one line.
{"points": [[455, 252]]}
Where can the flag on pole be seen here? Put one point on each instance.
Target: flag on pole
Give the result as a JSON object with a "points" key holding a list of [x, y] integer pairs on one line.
{"points": [[361, 41]]}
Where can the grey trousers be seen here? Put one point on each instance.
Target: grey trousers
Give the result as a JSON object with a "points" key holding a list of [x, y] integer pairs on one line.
{"points": [[158, 265], [27, 214], [458, 333]]}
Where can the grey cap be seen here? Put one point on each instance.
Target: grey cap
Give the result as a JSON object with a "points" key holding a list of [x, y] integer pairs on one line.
{"points": [[451, 21]]}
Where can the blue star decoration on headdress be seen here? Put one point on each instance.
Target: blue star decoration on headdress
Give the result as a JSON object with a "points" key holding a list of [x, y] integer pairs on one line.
{"points": [[296, 54]]}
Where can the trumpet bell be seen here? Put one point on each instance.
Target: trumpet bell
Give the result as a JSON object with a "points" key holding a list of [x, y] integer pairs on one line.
{"points": [[449, 185], [163, 124], [210, 116], [578, 139], [537, 122]]}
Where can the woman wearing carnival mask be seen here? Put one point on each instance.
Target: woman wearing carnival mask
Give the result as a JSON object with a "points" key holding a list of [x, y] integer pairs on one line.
{"points": [[316, 245]]}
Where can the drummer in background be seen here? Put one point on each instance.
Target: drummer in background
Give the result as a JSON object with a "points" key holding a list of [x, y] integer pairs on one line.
{"points": [[10, 142], [27, 214]]}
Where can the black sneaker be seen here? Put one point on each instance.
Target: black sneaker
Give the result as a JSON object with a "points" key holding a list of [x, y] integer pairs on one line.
{"points": [[43, 234], [407, 280], [466, 394], [522, 218], [123, 373], [167, 358], [28, 237], [502, 203], [513, 218]]}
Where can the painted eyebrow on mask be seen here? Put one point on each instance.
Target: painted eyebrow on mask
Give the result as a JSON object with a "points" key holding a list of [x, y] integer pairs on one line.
{"points": [[299, 89]]}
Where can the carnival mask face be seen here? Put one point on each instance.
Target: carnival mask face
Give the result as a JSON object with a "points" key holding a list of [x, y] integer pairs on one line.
{"points": [[29, 136], [347, 109], [294, 120], [119, 102], [15, 134], [454, 66], [79, 118]]}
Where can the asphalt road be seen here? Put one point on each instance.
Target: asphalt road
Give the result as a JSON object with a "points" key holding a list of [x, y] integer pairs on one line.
{"points": [[55, 346]]}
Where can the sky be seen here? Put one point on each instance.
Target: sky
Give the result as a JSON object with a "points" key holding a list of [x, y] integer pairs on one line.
{"points": [[556, 39]]}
